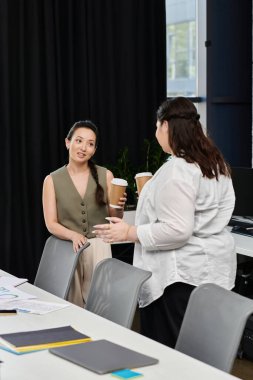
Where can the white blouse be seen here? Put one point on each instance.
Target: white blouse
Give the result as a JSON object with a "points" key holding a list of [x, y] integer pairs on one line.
{"points": [[181, 221]]}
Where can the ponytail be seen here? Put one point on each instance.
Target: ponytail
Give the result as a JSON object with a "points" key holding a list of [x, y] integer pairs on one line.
{"points": [[99, 194]]}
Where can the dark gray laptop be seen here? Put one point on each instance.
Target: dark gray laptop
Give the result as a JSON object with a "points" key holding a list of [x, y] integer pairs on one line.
{"points": [[102, 356]]}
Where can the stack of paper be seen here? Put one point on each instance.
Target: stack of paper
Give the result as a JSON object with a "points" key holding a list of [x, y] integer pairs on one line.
{"points": [[33, 306], [28, 341], [9, 294], [12, 298], [11, 281]]}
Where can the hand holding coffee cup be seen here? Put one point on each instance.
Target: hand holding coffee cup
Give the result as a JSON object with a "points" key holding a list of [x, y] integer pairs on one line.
{"points": [[141, 179], [117, 191]]}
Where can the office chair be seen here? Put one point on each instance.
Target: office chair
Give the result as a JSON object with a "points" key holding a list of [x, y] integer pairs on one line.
{"points": [[57, 266], [213, 325], [114, 291]]}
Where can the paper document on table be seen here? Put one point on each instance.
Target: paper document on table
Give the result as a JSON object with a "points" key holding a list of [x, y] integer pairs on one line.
{"points": [[9, 293], [34, 306], [11, 280]]}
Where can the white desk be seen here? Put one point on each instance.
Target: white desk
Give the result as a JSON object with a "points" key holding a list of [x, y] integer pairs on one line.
{"points": [[244, 244], [43, 365]]}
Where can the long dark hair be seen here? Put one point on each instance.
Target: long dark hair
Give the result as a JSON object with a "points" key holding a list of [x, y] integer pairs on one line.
{"points": [[187, 139], [99, 194]]}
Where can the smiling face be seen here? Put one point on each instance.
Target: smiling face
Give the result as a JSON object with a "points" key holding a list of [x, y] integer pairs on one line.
{"points": [[162, 135], [82, 145]]}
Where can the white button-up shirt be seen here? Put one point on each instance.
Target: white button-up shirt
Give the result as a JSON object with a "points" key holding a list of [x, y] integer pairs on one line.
{"points": [[181, 221]]}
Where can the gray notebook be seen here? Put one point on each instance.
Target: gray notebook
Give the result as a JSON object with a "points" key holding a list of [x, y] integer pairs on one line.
{"points": [[102, 356]]}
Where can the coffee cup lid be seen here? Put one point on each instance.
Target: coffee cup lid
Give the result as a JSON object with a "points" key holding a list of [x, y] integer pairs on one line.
{"points": [[119, 182], [144, 174]]}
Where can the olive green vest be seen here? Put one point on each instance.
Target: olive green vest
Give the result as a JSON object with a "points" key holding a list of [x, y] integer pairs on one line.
{"points": [[74, 212]]}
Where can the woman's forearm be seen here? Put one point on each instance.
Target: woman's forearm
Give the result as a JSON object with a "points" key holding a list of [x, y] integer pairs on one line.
{"points": [[131, 234], [60, 231]]}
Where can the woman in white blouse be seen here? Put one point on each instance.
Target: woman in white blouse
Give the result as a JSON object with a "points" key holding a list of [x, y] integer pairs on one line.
{"points": [[181, 218]]}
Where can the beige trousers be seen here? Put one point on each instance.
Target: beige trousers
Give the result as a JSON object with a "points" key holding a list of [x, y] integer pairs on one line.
{"points": [[79, 289]]}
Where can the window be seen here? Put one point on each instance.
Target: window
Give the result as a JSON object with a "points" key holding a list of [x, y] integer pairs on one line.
{"points": [[186, 52], [181, 47]]}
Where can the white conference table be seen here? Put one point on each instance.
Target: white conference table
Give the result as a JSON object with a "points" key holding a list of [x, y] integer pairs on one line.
{"points": [[43, 365], [244, 244]]}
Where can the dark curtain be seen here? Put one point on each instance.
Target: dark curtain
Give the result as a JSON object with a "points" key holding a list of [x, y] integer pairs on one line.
{"points": [[63, 61]]}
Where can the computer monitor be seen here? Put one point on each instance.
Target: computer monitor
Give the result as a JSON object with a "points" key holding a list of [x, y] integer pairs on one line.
{"points": [[243, 185]]}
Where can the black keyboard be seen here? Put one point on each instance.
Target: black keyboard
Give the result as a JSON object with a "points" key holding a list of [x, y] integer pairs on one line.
{"points": [[242, 231], [239, 223], [241, 227]]}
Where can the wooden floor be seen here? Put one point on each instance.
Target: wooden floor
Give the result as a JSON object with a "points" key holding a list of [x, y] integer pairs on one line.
{"points": [[243, 368]]}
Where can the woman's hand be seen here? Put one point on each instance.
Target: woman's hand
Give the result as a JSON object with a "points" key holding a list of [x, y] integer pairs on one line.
{"points": [[118, 212], [122, 201], [78, 240], [116, 231]]}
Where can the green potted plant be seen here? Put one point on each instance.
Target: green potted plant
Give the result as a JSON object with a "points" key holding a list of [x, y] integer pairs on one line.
{"points": [[153, 157], [124, 169]]}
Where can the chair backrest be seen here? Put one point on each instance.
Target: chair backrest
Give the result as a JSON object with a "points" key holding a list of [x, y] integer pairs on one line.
{"points": [[114, 291], [57, 266], [213, 325]]}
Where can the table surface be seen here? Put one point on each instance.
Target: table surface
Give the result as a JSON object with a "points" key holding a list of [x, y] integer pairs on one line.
{"points": [[43, 365], [244, 244]]}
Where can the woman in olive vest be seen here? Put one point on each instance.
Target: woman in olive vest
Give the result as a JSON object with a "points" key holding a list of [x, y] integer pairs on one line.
{"points": [[75, 199]]}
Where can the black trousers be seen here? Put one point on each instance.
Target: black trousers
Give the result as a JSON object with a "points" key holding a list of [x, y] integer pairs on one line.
{"points": [[162, 319]]}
